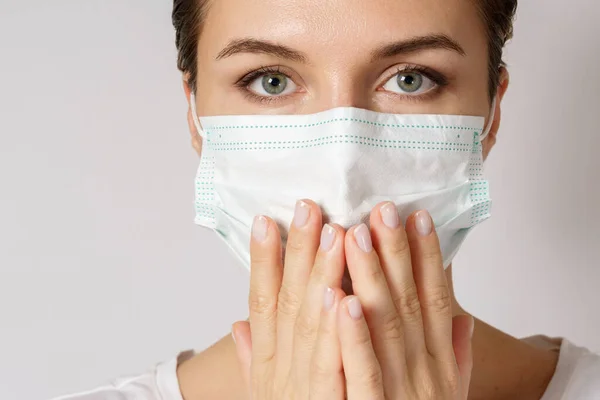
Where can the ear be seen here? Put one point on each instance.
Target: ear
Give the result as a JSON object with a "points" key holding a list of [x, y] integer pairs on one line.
{"points": [[196, 138], [490, 140]]}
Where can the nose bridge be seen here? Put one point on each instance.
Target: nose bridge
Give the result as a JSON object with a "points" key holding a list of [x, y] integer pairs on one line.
{"points": [[337, 207], [341, 198], [346, 93], [341, 89]]}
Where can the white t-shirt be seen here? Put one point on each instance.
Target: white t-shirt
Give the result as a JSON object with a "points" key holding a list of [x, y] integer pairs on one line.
{"points": [[577, 377]]}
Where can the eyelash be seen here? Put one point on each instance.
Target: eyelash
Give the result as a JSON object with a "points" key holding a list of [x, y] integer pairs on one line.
{"points": [[249, 77], [253, 74], [439, 79], [435, 76]]}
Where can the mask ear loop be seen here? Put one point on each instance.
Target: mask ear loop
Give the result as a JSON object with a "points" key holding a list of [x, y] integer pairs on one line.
{"points": [[195, 116], [490, 122]]}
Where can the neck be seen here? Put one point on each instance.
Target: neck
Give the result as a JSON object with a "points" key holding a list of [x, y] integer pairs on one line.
{"points": [[505, 367]]}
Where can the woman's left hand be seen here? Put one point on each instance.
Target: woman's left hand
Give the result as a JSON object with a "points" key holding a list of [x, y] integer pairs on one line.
{"points": [[399, 279], [398, 325]]}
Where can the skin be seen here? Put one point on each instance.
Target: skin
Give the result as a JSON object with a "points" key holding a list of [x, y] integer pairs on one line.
{"points": [[394, 339], [339, 70]]}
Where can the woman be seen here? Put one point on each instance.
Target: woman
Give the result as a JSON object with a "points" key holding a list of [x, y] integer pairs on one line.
{"points": [[363, 115]]}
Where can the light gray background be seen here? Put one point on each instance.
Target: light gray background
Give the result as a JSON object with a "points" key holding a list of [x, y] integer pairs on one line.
{"points": [[102, 271]]}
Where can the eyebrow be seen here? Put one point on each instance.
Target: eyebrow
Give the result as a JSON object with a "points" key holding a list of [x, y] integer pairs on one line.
{"points": [[255, 46], [418, 43]]}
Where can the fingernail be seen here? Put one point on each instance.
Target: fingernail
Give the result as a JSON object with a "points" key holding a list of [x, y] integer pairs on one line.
{"points": [[327, 237], [389, 215], [328, 299], [301, 214], [259, 228], [354, 308], [363, 238], [233, 337], [423, 223]]}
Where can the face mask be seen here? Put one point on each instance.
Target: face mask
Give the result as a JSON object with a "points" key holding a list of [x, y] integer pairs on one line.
{"points": [[347, 160]]}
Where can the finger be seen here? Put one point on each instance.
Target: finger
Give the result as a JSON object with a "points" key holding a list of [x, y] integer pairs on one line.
{"points": [[361, 368], [391, 243], [384, 322], [327, 272], [240, 331], [462, 334], [265, 281], [432, 286], [326, 373], [301, 249]]}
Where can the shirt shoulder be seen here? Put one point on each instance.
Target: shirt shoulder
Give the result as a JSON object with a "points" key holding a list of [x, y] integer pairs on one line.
{"points": [[160, 383], [577, 374]]}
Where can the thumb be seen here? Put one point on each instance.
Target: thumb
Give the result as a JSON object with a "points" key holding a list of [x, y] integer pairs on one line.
{"points": [[240, 331], [462, 332]]}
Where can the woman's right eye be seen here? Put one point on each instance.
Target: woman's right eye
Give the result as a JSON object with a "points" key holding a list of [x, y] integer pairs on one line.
{"points": [[272, 85]]}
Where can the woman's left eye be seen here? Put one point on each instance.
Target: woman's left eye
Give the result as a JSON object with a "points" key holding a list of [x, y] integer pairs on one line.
{"points": [[409, 83]]}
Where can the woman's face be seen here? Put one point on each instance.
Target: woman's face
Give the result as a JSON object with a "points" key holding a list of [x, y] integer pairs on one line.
{"points": [[306, 56]]}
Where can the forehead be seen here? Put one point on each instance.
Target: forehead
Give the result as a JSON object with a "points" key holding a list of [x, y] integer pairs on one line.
{"points": [[349, 25]]}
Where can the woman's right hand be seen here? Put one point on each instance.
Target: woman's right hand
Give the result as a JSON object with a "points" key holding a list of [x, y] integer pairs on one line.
{"points": [[294, 355]]}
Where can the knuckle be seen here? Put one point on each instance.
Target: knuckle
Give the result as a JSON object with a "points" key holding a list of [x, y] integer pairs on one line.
{"points": [[452, 383], [263, 358], [295, 244], [371, 377], [318, 273], [392, 326], [427, 389], [374, 272], [408, 304], [261, 304], [363, 341], [431, 392], [262, 258], [438, 300], [327, 329], [320, 373], [432, 256], [288, 302], [306, 327], [399, 247]]}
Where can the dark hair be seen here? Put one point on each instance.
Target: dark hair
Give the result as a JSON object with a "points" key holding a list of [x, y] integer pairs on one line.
{"points": [[498, 16], [188, 16]]}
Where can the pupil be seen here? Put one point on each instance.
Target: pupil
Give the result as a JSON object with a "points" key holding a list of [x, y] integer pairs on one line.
{"points": [[409, 80], [274, 82]]}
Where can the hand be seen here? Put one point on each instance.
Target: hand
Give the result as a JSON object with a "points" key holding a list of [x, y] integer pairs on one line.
{"points": [[284, 356], [418, 351], [402, 346]]}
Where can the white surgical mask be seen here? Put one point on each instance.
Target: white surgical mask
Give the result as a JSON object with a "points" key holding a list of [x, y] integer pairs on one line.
{"points": [[345, 159]]}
